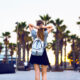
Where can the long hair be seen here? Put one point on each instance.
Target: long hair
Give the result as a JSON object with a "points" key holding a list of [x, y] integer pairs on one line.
{"points": [[40, 32]]}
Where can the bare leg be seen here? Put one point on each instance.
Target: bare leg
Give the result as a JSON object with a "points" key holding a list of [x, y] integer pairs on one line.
{"points": [[37, 72], [44, 72]]}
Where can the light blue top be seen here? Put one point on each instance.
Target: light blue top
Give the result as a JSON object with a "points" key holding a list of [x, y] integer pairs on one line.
{"points": [[34, 35]]}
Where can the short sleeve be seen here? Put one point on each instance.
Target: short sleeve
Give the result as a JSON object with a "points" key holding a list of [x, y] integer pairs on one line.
{"points": [[33, 33], [46, 33]]}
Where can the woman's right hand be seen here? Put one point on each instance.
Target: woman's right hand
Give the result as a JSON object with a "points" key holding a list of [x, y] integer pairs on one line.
{"points": [[31, 25]]}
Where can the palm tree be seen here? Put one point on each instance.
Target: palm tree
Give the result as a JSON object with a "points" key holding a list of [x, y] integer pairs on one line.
{"points": [[6, 36], [73, 37], [23, 38], [79, 49], [58, 24], [66, 38], [76, 52], [23, 26], [20, 43], [46, 19], [19, 53], [12, 47], [28, 41], [17, 30], [61, 47], [61, 36], [57, 44]]}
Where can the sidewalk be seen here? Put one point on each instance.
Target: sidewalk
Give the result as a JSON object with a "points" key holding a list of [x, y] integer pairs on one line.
{"points": [[29, 75]]}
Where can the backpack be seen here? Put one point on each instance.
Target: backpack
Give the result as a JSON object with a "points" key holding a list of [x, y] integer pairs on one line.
{"points": [[37, 47]]}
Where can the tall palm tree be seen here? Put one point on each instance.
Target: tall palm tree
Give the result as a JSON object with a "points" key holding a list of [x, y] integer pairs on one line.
{"points": [[18, 31], [78, 40], [23, 38], [6, 36], [57, 44], [23, 26], [58, 24], [47, 20], [78, 47], [73, 37], [28, 45], [66, 38], [61, 36], [76, 52], [21, 43]]}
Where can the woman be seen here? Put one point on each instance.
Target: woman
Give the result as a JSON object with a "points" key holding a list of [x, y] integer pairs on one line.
{"points": [[42, 32]]}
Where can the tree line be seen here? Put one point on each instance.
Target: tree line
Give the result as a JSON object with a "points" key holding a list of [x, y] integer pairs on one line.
{"points": [[61, 37]]}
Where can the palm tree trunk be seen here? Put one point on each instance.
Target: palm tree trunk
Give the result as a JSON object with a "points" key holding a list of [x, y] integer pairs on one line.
{"points": [[6, 55], [65, 55], [27, 48], [57, 55], [23, 51], [28, 57], [61, 56], [61, 46], [73, 51], [79, 58], [19, 53]]}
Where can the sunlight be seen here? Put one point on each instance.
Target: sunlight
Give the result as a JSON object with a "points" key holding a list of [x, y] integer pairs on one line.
{"points": [[51, 57]]}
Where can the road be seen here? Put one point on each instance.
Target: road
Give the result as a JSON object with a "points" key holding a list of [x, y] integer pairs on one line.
{"points": [[30, 75]]}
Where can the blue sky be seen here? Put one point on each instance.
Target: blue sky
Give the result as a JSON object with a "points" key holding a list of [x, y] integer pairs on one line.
{"points": [[29, 11]]}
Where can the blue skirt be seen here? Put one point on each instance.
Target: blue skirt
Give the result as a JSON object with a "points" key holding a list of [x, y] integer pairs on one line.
{"points": [[41, 60]]}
